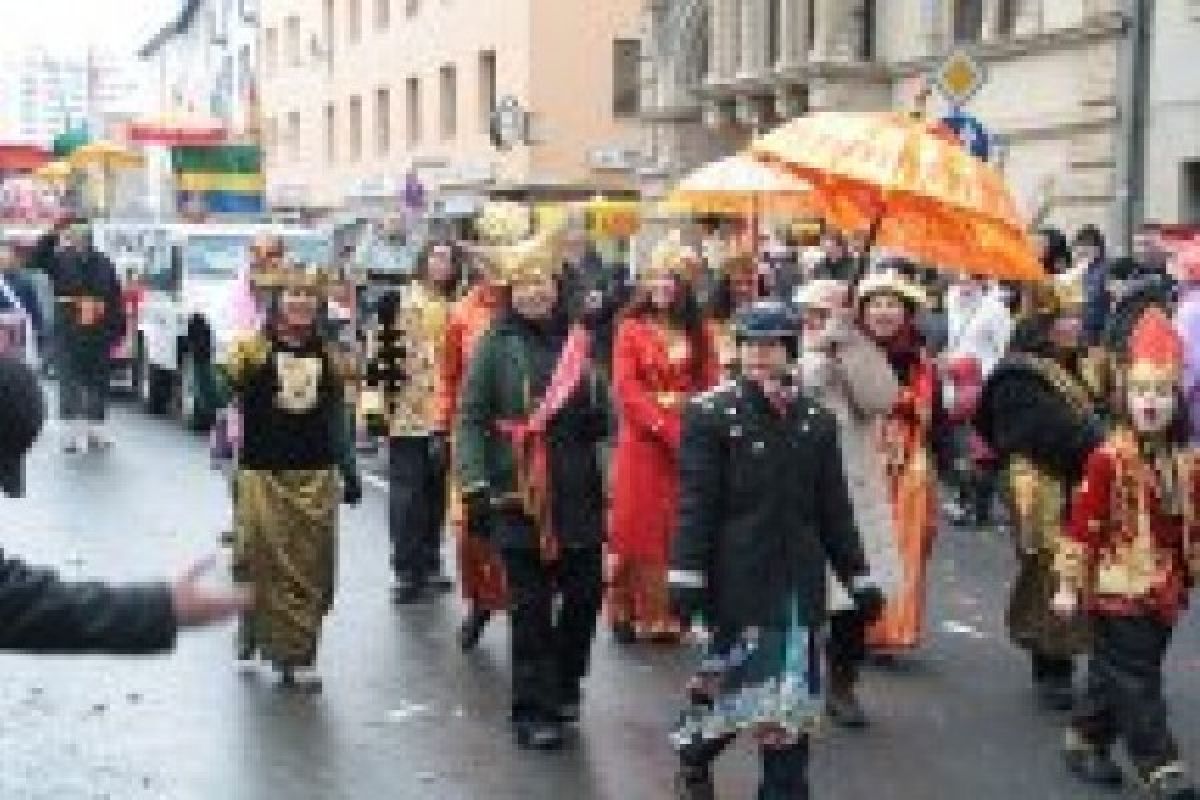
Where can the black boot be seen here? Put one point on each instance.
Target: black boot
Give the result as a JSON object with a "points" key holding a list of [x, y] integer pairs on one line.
{"points": [[406, 590], [623, 633], [472, 627], [694, 783], [1091, 763], [842, 703], [1053, 694], [538, 732]]}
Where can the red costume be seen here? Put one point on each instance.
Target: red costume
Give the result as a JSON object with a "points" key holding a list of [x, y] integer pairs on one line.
{"points": [[654, 373], [480, 570]]}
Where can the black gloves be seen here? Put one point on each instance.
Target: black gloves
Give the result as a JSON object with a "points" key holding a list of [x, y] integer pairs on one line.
{"points": [[352, 489], [439, 450], [691, 604], [376, 425], [478, 504], [868, 601]]}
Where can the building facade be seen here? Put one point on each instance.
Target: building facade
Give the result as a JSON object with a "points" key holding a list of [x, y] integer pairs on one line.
{"points": [[363, 97], [1056, 96]]}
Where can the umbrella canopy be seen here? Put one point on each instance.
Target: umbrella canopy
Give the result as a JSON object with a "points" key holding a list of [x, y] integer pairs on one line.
{"points": [[109, 155], [53, 172], [741, 184], [917, 188], [178, 130]]}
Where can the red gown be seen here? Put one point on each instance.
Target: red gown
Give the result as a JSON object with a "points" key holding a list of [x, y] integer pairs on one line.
{"points": [[652, 379], [480, 570]]}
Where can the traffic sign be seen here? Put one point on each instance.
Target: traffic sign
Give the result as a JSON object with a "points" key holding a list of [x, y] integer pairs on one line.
{"points": [[959, 77]]}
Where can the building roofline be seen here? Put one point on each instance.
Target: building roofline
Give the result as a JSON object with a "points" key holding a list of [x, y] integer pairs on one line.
{"points": [[175, 27]]}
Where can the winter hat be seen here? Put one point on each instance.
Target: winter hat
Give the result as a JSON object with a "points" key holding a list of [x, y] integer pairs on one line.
{"points": [[24, 411]]}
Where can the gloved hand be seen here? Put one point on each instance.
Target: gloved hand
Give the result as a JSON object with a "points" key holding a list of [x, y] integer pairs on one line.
{"points": [[868, 600], [478, 505], [691, 604], [376, 425], [352, 489], [439, 449]]}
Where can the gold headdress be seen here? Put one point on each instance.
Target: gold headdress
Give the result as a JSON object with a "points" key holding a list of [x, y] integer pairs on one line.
{"points": [[892, 282], [504, 223], [669, 258], [293, 277], [536, 258]]}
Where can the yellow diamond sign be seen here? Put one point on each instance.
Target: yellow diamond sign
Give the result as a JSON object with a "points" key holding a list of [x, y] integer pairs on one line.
{"points": [[959, 77]]}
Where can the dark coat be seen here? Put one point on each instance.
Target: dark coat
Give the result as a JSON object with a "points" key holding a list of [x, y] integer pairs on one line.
{"points": [[764, 509], [86, 273], [41, 614], [509, 373], [592, 274], [26, 295]]}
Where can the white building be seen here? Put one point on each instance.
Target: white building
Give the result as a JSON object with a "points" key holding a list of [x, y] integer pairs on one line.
{"points": [[1062, 95]]}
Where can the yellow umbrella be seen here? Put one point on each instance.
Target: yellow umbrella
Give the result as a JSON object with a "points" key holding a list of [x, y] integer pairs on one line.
{"points": [[912, 184], [105, 154], [742, 185], [53, 172]]}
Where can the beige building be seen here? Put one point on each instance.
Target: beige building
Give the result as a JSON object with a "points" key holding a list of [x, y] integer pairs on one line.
{"points": [[1055, 96], [358, 94]]}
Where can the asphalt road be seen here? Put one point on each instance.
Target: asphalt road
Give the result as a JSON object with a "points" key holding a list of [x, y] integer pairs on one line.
{"points": [[404, 714]]}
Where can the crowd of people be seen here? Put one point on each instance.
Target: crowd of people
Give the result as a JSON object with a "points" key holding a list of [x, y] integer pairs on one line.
{"points": [[757, 445]]}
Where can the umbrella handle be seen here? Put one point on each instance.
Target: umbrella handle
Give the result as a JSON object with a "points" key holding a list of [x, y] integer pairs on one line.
{"points": [[864, 262]]}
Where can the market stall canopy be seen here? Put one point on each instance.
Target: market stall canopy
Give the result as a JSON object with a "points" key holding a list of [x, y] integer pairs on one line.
{"points": [[106, 154], [741, 184], [175, 130], [53, 172], [920, 191]]}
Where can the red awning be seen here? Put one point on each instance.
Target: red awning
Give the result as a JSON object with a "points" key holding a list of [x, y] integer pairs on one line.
{"points": [[177, 133], [22, 157]]}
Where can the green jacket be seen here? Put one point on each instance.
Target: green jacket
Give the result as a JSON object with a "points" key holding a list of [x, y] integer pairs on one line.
{"points": [[508, 373]]}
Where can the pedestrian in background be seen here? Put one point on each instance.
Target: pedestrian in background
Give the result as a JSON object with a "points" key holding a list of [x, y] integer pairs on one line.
{"points": [[90, 319], [665, 353]]}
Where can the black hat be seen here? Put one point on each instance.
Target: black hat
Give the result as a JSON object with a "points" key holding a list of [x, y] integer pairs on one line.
{"points": [[765, 319], [21, 422], [1089, 235]]}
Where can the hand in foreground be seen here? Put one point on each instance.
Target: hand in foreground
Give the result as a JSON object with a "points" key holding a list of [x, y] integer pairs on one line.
{"points": [[196, 605]]}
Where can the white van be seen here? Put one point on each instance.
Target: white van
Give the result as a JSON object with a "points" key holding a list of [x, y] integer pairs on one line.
{"points": [[189, 283]]}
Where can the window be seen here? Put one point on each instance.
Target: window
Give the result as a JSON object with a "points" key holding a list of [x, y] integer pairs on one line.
{"points": [[449, 116], [487, 89], [293, 128], [774, 31], [330, 134], [353, 20], [295, 55], [328, 31], [866, 29], [411, 7], [356, 133], [271, 135], [412, 114], [968, 20], [270, 50], [383, 14], [626, 77], [383, 121], [1006, 17]]}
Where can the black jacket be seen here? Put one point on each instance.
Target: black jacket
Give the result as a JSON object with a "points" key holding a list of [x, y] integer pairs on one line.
{"points": [[763, 507], [41, 614], [85, 273]]}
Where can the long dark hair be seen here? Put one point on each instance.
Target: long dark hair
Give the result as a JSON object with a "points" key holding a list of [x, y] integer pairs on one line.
{"points": [[684, 314]]}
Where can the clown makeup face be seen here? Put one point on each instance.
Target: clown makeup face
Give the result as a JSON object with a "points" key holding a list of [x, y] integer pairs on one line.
{"points": [[884, 316], [662, 292], [1152, 404], [534, 299], [298, 309]]}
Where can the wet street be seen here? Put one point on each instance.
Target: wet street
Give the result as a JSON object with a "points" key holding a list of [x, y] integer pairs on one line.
{"points": [[404, 714]]}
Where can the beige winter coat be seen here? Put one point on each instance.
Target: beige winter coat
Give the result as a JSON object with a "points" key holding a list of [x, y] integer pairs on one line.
{"points": [[855, 382]]}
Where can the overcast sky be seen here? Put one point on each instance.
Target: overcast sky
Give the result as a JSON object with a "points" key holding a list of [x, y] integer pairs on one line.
{"points": [[118, 25]]}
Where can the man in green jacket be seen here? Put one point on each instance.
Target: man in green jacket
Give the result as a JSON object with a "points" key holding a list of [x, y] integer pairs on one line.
{"points": [[532, 413]]}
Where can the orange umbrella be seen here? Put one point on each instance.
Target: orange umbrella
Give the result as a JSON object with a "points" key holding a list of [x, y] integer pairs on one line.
{"points": [[740, 184], [915, 187]]}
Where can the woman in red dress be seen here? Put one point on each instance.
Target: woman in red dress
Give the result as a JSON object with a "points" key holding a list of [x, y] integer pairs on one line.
{"points": [[664, 353]]}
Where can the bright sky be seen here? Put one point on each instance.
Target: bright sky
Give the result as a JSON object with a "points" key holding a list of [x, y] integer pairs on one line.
{"points": [[72, 25]]}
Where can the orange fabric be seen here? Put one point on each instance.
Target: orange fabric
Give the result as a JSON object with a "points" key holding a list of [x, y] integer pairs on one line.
{"points": [[481, 573], [935, 201], [913, 494], [637, 595]]}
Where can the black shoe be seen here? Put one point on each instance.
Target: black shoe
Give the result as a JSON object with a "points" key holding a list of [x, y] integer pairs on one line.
{"points": [[623, 633], [1091, 764], [694, 783], [1054, 695], [1170, 783], [538, 733], [439, 581], [406, 591], [843, 708], [570, 705], [472, 627]]}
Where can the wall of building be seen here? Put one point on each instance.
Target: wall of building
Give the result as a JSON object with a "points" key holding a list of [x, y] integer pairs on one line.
{"points": [[1173, 114]]}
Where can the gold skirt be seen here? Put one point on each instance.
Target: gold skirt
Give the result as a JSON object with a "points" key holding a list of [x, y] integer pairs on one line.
{"points": [[286, 551]]}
